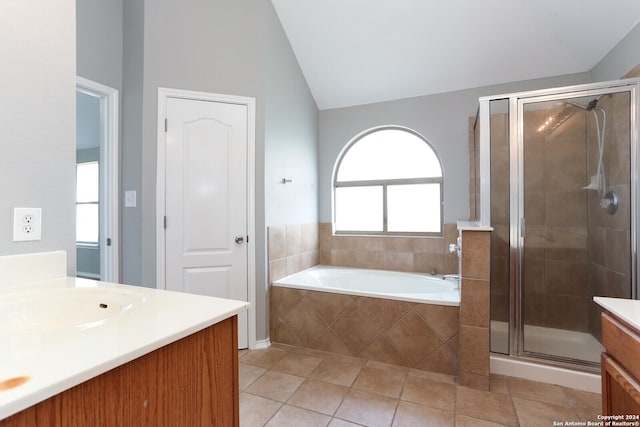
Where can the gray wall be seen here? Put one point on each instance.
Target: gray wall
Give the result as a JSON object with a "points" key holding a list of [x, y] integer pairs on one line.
{"points": [[221, 46], [443, 119], [99, 56], [291, 134], [131, 147], [99, 41], [622, 58], [37, 122]]}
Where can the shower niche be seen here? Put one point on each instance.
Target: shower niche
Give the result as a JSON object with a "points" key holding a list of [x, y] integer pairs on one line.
{"points": [[557, 182]]}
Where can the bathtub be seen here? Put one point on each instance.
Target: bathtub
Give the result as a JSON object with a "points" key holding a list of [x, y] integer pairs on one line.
{"points": [[394, 285], [406, 319]]}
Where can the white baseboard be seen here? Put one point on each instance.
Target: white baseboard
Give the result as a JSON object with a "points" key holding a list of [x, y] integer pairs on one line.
{"points": [[262, 344]]}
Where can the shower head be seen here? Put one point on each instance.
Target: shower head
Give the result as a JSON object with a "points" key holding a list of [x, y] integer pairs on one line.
{"points": [[590, 106]]}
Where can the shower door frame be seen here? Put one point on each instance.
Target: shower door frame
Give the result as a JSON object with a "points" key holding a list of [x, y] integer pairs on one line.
{"points": [[517, 226]]}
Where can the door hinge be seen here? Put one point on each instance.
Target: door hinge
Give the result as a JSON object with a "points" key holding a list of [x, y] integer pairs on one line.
{"points": [[165, 221], [166, 124]]}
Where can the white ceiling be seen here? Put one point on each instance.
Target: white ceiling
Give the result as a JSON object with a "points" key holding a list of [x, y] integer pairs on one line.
{"points": [[361, 51]]}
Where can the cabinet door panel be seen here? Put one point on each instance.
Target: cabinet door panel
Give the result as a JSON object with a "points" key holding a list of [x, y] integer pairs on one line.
{"points": [[620, 391]]}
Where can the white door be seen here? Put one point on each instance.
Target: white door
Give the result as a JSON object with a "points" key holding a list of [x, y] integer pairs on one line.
{"points": [[206, 200]]}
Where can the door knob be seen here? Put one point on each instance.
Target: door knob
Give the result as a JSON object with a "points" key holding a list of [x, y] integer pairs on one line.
{"points": [[239, 239]]}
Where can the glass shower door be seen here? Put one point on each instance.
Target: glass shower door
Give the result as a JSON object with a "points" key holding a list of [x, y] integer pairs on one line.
{"points": [[573, 219]]}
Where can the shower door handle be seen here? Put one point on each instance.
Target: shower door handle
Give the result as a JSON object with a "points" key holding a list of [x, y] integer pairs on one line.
{"points": [[523, 227]]}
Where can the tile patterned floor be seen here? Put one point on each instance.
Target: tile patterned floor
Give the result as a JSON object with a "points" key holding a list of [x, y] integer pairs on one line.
{"points": [[293, 386]]}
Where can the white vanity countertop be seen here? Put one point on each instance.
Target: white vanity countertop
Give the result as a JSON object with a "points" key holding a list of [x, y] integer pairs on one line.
{"points": [[626, 309], [64, 357]]}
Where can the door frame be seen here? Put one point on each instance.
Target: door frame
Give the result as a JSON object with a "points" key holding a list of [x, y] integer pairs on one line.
{"points": [[163, 95], [109, 187]]}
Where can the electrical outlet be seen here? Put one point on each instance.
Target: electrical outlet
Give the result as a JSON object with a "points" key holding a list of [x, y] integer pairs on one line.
{"points": [[27, 224]]}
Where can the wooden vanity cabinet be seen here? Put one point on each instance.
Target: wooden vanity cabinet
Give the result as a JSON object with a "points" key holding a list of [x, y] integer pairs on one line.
{"points": [[620, 367], [190, 382]]}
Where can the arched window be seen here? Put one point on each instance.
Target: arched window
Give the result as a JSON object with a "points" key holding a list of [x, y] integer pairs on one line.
{"points": [[388, 181]]}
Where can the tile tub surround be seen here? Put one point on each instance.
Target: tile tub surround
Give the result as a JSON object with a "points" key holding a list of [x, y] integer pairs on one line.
{"points": [[288, 385], [473, 363], [292, 248], [414, 254], [421, 336]]}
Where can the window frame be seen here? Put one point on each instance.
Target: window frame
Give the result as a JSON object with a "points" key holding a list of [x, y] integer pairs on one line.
{"points": [[83, 243], [385, 183]]}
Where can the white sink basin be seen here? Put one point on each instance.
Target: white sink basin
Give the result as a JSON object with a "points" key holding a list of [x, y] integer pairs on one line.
{"points": [[52, 309]]}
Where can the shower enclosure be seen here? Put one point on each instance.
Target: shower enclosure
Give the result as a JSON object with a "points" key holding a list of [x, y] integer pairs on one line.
{"points": [[558, 182]]}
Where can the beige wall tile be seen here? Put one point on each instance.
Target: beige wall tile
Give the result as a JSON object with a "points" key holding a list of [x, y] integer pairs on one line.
{"points": [[430, 245], [294, 264], [369, 259], [329, 305], [413, 338], [399, 261], [309, 237], [277, 242], [474, 305], [277, 269], [444, 360], [474, 350], [428, 263], [475, 254], [293, 239], [383, 350], [442, 319]]}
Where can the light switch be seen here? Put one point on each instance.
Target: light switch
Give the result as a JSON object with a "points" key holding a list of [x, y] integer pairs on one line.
{"points": [[130, 199]]}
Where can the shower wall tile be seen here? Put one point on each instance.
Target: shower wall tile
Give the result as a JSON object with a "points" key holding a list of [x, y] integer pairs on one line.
{"points": [[564, 208], [535, 205], [621, 219], [566, 278], [568, 312], [566, 243], [617, 285], [535, 309], [618, 257]]}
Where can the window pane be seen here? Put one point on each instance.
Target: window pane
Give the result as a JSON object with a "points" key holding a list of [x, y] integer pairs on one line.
{"points": [[87, 182], [413, 208], [359, 208], [389, 154], [87, 224]]}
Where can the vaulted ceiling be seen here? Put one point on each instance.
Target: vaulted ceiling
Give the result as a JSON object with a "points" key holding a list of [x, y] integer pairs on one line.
{"points": [[355, 52]]}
